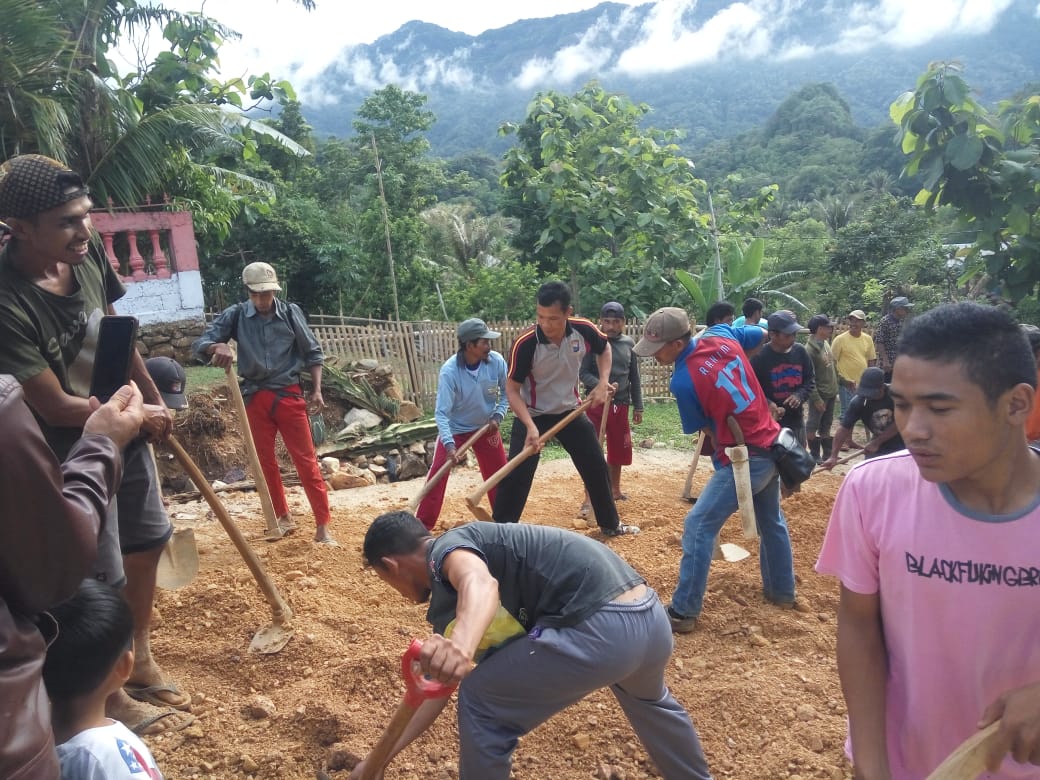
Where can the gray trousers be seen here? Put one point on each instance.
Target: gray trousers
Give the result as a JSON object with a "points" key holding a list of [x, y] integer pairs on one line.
{"points": [[623, 646]]}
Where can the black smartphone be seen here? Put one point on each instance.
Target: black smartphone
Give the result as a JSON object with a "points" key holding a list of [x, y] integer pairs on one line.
{"points": [[117, 340]]}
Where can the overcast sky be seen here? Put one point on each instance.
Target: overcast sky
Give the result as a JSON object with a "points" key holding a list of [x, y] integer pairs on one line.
{"points": [[279, 36], [289, 41]]}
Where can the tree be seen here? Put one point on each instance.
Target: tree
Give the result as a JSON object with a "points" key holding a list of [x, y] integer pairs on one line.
{"points": [[986, 166], [151, 132], [599, 200]]}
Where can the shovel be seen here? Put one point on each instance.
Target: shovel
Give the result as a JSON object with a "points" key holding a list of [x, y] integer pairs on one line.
{"points": [[742, 480], [686, 495], [473, 499], [274, 532], [269, 639], [968, 760], [179, 560], [417, 689], [443, 470]]}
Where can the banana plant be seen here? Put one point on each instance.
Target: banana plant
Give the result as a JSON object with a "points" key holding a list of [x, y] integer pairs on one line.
{"points": [[736, 272]]}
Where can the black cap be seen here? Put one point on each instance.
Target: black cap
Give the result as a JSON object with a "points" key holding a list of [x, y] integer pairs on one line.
{"points": [[783, 322], [871, 383], [169, 377], [612, 309], [818, 321]]}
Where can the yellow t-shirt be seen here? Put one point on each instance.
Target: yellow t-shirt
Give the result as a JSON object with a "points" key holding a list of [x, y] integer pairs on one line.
{"points": [[851, 355]]}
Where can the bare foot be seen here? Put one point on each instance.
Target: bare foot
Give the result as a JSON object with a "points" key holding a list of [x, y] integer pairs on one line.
{"points": [[143, 718], [150, 686]]}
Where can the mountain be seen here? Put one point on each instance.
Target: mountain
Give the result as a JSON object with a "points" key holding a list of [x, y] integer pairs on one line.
{"points": [[714, 68]]}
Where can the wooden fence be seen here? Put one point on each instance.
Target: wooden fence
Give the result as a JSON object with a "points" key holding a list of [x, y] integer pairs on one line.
{"points": [[416, 350]]}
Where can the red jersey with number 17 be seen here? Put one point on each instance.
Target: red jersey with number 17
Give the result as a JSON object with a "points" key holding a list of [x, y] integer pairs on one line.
{"points": [[713, 380]]}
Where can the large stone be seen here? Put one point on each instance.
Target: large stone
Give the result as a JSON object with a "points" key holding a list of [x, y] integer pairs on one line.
{"points": [[331, 465], [366, 418], [412, 466], [408, 412], [351, 477]]}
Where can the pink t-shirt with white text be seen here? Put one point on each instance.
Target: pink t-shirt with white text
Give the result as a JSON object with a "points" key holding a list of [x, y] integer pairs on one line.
{"points": [[960, 604]]}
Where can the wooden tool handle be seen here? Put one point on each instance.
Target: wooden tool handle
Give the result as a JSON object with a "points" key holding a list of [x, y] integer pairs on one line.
{"points": [[474, 498], [446, 467], [693, 465], [281, 613], [266, 504], [968, 760], [603, 424], [377, 757], [734, 428]]}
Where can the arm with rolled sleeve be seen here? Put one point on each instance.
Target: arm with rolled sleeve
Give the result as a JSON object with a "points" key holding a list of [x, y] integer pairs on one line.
{"points": [[220, 331]]}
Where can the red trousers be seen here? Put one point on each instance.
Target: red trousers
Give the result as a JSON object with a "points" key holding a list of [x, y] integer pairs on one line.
{"points": [[271, 413], [619, 434], [490, 457]]}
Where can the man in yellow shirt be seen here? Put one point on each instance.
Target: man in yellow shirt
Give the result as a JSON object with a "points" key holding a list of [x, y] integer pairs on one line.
{"points": [[854, 353]]}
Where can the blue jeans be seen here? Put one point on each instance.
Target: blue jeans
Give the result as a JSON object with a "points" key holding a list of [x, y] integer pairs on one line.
{"points": [[845, 396], [717, 502]]}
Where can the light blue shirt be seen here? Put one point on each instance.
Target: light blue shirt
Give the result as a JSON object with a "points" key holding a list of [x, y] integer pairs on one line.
{"points": [[464, 401]]}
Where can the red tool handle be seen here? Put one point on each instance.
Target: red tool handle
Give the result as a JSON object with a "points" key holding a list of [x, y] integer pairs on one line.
{"points": [[417, 685]]}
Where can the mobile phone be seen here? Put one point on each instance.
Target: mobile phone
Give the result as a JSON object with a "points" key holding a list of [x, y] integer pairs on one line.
{"points": [[113, 358]]}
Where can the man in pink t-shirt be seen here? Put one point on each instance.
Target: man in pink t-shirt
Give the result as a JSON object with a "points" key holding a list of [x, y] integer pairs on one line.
{"points": [[936, 550]]}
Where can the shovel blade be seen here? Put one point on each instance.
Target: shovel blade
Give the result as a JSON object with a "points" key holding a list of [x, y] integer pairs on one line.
{"points": [[271, 639], [179, 560], [733, 552]]}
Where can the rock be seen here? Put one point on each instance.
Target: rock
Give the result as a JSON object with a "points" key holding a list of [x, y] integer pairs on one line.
{"points": [[260, 707], [581, 740], [379, 471], [408, 412], [366, 418], [647, 444], [345, 480], [218, 484], [248, 765], [340, 756], [331, 465], [758, 640], [295, 574], [816, 743], [417, 448], [412, 466], [307, 582], [378, 460], [578, 524], [368, 364], [806, 712], [235, 475]]}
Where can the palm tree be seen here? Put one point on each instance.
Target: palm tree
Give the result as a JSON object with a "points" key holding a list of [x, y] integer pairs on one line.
{"points": [[62, 97]]}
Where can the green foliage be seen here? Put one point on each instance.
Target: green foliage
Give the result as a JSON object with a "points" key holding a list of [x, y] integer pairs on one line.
{"points": [[986, 166], [596, 195]]}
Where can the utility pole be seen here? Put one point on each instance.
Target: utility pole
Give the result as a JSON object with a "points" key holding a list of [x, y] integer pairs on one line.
{"points": [[386, 226]]}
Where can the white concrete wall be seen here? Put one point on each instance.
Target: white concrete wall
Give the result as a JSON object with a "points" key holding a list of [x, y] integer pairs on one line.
{"points": [[164, 300]]}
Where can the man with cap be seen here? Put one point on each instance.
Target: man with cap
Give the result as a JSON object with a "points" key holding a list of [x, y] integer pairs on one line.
{"points": [[54, 291], [886, 337], [825, 393], [874, 407], [854, 353], [785, 371], [626, 389], [542, 388], [275, 345], [713, 382], [471, 391]]}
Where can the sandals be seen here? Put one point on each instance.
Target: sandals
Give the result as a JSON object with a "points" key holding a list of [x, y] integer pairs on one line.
{"points": [[141, 728], [621, 530], [148, 694]]}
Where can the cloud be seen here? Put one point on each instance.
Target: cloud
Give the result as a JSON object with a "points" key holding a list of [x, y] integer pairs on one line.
{"points": [[590, 55], [669, 35]]}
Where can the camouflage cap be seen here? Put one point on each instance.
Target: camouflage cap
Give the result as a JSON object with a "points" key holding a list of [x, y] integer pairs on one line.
{"points": [[32, 183]]}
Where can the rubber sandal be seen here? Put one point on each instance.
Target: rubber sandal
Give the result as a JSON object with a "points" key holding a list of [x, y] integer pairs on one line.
{"points": [[140, 728], [147, 694], [584, 510], [621, 530]]}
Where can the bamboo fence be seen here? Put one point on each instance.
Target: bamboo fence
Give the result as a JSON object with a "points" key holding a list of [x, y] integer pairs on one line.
{"points": [[415, 350]]}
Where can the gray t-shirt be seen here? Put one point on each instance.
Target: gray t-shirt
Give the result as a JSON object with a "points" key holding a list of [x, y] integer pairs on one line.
{"points": [[546, 576]]}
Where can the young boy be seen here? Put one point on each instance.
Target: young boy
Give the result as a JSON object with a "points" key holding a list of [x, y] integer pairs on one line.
{"points": [[90, 658], [935, 547]]}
